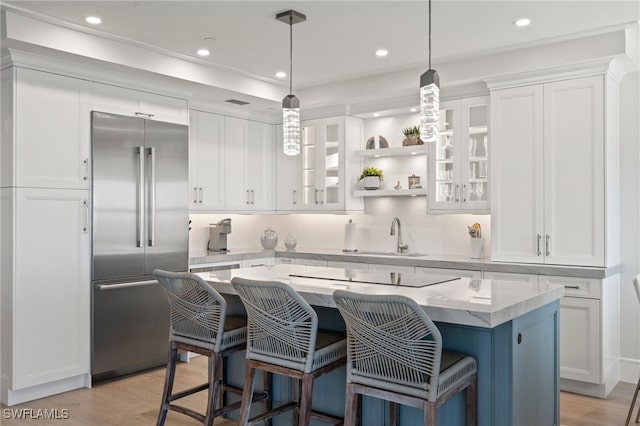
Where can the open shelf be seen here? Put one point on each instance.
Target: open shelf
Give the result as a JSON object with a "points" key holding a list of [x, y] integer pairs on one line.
{"points": [[394, 152], [391, 192]]}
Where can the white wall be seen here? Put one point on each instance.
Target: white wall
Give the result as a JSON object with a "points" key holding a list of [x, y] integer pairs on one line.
{"points": [[432, 234], [630, 225]]}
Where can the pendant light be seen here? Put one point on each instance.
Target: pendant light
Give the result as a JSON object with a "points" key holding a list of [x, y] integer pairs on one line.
{"points": [[290, 103], [429, 99]]}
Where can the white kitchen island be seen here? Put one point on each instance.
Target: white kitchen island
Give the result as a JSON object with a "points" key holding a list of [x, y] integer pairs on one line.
{"points": [[510, 328]]}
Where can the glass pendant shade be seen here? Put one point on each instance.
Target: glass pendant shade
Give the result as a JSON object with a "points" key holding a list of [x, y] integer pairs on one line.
{"points": [[429, 106], [291, 125]]}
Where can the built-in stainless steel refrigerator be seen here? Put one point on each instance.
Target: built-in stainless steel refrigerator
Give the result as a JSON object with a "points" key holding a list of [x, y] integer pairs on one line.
{"points": [[140, 222]]}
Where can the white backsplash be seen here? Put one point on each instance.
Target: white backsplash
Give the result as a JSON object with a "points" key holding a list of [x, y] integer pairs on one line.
{"points": [[432, 234]]}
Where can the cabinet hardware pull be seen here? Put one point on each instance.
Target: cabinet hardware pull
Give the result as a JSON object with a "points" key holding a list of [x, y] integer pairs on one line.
{"points": [[86, 169], [464, 193], [546, 245], [572, 287], [85, 216], [201, 197], [295, 197], [457, 195], [519, 338], [195, 194], [142, 114], [253, 196], [103, 287], [322, 196], [248, 197], [152, 197], [316, 196], [140, 152], [539, 238]]}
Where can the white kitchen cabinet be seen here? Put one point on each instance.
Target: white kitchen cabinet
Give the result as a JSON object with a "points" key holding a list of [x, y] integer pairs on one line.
{"points": [[47, 140], [248, 159], [129, 102], [45, 312], [458, 161], [548, 174], [322, 177], [206, 161]]}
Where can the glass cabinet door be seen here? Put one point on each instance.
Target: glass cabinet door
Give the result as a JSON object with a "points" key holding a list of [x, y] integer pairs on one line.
{"points": [[330, 190], [476, 185], [309, 167], [446, 188]]}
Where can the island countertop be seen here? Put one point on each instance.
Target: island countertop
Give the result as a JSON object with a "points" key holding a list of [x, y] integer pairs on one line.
{"points": [[472, 302]]}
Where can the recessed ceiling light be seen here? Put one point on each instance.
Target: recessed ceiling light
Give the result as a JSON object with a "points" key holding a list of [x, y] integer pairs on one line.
{"points": [[281, 74], [375, 114], [382, 52], [203, 52], [93, 20], [414, 109], [522, 22]]}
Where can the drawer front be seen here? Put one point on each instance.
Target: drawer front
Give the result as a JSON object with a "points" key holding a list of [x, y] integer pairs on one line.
{"points": [[575, 287]]}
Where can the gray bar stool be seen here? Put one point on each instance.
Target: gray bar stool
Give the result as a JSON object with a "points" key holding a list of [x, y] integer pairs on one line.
{"points": [[395, 353], [283, 338], [636, 285], [199, 324]]}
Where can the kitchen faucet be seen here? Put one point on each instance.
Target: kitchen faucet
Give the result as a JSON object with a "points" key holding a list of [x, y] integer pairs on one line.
{"points": [[400, 247]]}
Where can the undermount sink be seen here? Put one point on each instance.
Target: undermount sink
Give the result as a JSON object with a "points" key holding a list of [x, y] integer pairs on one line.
{"points": [[389, 253]]}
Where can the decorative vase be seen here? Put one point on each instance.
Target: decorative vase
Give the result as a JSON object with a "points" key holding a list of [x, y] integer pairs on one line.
{"points": [[371, 182], [290, 242], [269, 239]]}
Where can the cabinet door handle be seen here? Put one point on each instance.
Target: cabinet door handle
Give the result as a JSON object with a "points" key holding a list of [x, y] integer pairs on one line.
{"points": [[295, 197], [201, 196], [142, 114], [316, 195], [85, 216], [152, 197], [546, 245], [457, 194], [253, 196], [572, 287], [322, 196], [195, 194], [464, 193], [86, 169], [519, 338], [140, 229], [539, 238], [248, 197]]}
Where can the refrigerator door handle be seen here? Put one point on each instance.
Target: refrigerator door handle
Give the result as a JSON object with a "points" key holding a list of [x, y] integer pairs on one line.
{"points": [[140, 212], [103, 287], [152, 197]]}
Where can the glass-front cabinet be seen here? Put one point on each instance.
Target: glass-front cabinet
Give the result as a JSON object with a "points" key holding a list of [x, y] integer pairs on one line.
{"points": [[458, 161]]}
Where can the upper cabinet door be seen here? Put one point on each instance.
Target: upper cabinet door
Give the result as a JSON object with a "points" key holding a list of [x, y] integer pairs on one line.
{"points": [[206, 161], [236, 194], [516, 174], [287, 176], [475, 154], [444, 186], [51, 132], [259, 159], [574, 171]]}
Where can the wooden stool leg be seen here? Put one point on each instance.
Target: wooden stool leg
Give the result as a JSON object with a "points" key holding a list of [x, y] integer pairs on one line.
{"points": [[168, 384], [471, 399], [222, 380], [296, 397], [633, 403], [430, 414], [247, 394], [214, 361], [393, 414], [305, 400], [351, 406]]}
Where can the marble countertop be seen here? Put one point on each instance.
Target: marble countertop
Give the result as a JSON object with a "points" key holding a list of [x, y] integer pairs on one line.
{"points": [[478, 303], [410, 259]]}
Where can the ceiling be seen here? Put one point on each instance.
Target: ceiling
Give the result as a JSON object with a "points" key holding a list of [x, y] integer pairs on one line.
{"points": [[339, 38]]}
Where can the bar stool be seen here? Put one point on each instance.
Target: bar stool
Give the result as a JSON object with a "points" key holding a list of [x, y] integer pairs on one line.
{"points": [[199, 324], [283, 338], [395, 353], [636, 285]]}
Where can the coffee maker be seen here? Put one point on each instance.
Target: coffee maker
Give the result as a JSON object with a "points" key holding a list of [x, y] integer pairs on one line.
{"points": [[218, 235]]}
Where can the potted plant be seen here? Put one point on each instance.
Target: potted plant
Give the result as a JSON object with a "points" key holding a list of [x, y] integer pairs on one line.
{"points": [[371, 177], [412, 136]]}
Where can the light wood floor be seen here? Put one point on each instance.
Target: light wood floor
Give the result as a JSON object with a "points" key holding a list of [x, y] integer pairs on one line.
{"points": [[135, 400]]}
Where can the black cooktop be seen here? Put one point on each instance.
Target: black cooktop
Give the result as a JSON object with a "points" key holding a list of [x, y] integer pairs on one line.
{"points": [[402, 279]]}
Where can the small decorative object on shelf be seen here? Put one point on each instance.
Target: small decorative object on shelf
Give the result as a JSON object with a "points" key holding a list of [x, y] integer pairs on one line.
{"points": [[382, 142], [290, 242], [412, 136], [269, 238], [371, 177], [477, 242], [414, 182], [398, 186]]}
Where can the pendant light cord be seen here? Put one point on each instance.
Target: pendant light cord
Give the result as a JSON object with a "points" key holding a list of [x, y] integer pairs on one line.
{"points": [[291, 54], [429, 34]]}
